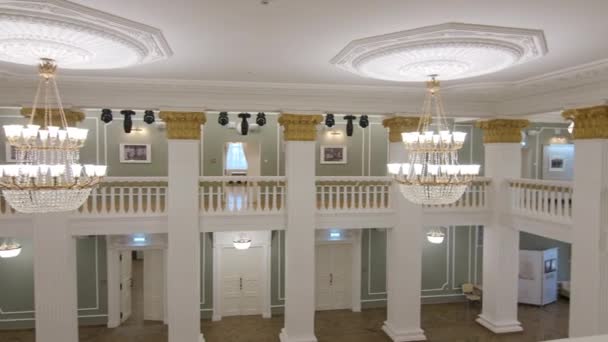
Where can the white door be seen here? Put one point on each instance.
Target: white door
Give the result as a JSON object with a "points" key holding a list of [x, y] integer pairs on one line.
{"points": [[334, 277], [126, 280], [153, 285], [240, 283]]}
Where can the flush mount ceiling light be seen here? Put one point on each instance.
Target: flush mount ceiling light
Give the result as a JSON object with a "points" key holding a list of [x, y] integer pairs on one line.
{"points": [[9, 249], [452, 50], [75, 36]]}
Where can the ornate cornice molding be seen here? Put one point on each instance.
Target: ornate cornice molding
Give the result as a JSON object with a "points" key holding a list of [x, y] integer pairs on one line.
{"points": [[589, 122], [72, 117], [400, 124], [502, 130], [300, 127], [183, 125]]}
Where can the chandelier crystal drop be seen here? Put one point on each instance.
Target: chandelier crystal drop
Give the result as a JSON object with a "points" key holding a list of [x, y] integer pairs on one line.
{"points": [[433, 176], [47, 176]]}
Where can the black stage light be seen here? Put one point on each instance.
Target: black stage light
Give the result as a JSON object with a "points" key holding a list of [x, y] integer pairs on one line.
{"points": [[106, 115], [363, 121], [128, 123], [261, 119], [149, 117], [349, 124], [223, 119], [244, 123], [330, 121]]}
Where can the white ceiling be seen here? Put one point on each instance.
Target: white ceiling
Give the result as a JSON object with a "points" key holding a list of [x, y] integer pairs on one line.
{"points": [[292, 41]]}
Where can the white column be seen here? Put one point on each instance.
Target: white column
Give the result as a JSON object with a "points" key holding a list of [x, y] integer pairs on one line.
{"points": [[55, 291], [404, 263], [300, 134], [589, 278], [500, 243], [300, 242], [184, 248]]}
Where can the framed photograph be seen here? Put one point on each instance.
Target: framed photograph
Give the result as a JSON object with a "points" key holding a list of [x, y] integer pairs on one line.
{"points": [[557, 163], [135, 153], [10, 153], [333, 154]]}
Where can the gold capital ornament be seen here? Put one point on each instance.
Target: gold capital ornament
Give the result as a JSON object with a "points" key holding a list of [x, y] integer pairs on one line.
{"points": [[72, 117], [300, 127], [183, 125], [589, 122], [502, 130], [400, 124]]}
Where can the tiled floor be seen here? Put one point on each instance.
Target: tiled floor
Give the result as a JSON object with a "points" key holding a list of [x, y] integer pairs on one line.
{"points": [[441, 322]]}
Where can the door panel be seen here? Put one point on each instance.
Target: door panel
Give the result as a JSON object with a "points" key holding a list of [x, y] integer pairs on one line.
{"points": [[323, 270], [333, 277], [231, 293], [251, 262], [126, 279], [153, 285]]}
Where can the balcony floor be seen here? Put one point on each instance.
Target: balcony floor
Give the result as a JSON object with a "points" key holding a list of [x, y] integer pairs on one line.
{"points": [[441, 322]]}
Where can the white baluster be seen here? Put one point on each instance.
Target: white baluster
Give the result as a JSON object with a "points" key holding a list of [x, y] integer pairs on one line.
{"points": [[322, 188], [275, 198]]}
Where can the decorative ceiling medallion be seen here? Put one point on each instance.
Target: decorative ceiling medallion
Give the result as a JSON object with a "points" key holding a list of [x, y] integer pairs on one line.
{"points": [[75, 36], [451, 50]]}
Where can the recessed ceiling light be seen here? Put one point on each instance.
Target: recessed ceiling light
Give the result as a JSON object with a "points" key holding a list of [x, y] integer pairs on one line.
{"points": [[451, 51]]}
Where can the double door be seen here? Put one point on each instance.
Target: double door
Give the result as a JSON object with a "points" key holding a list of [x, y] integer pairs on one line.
{"points": [[334, 276], [240, 281]]}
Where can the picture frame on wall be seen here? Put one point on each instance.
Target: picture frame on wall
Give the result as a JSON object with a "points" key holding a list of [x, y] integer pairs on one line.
{"points": [[135, 153], [557, 162], [333, 154]]}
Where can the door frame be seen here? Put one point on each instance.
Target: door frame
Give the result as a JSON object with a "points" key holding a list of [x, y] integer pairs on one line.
{"points": [[113, 249], [262, 240], [353, 238]]}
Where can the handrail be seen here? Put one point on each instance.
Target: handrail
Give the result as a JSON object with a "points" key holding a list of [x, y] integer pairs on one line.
{"points": [[542, 198]]}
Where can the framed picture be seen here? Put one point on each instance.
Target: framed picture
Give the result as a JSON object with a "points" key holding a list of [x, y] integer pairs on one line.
{"points": [[10, 153], [332, 154], [557, 163], [135, 153]]}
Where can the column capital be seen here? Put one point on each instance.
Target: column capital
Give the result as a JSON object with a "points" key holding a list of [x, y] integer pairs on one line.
{"points": [[183, 125], [400, 124], [589, 122], [300, 127], [502, 130], [73, 117]]}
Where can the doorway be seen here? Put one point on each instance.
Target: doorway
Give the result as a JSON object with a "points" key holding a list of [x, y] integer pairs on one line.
{"points": [[333, 276], [241, 290], [241, 277]]}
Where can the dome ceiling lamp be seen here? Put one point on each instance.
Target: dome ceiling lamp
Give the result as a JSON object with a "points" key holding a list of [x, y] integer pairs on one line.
{"points": [[242, 242], [47, 176], [433, 175], [435, 236]]}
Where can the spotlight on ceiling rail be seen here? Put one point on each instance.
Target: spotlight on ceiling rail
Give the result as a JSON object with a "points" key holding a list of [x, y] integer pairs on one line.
{"points": [[349, 124], [363, 121], [330, 121], [128, 123], [261, 119], [223, 119], [149, 117], [106, 115], [244, 123]]}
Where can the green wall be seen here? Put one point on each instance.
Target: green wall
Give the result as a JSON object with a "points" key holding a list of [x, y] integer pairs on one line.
{"points": [[532, 153], [17, 285]]}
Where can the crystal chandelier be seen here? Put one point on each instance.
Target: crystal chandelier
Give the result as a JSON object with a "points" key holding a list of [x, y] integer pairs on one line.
{"points": [[47, 176], [435, 236], [433, 176], [9, 249]]}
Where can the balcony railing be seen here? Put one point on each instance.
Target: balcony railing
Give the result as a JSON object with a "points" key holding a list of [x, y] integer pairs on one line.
{"points": [[242, 195], [474, 198], [353, 193], [542, 199], [127, 196]]}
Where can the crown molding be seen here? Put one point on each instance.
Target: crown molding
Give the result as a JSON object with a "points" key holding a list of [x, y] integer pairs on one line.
{"points": [[569, 88]]}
